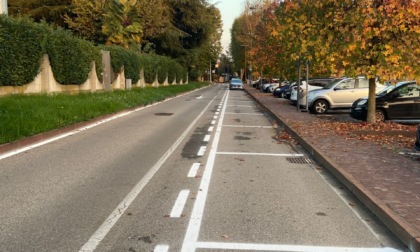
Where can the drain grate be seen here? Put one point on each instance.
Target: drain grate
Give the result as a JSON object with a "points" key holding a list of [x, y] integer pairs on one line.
{"points": [[164, 114], [300, 160]]}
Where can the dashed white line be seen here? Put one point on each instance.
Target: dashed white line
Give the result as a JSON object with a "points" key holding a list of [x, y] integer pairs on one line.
{"points": [[207, 138], [211, 128], [213, 122], [201, 151], [233, 113], [179, 204], [191, 236], [193, 170], [161, 248], [107, 225]]}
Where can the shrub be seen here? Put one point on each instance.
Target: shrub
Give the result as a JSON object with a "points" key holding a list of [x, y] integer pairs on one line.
{"points": [[70, 57], [22, 46]]}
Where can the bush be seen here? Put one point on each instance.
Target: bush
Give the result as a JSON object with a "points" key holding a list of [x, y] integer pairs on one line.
{"points": [[22, 46], [70, 57]]}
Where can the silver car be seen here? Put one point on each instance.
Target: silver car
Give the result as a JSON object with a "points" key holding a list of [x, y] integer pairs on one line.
{"points": [[339, 94], [236, 83]]}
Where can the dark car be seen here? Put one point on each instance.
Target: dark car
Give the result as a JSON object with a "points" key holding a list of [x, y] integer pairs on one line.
{"points": [[399, 103], [280, 91]]}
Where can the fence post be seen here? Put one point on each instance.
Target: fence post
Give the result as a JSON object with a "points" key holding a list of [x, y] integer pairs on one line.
{"points": [[106, 60]]}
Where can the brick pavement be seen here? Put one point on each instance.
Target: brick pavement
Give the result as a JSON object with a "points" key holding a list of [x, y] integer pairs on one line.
{"points": [[385, 181]]}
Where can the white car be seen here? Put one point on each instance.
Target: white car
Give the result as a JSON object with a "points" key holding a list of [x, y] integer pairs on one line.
{"points": [[313, 84], [339, 94]]}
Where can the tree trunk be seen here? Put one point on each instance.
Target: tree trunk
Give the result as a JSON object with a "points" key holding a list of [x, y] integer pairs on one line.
{"points": [[372, 101]]}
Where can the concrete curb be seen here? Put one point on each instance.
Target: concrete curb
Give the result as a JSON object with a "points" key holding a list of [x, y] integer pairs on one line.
{"points": [[409, 236]]}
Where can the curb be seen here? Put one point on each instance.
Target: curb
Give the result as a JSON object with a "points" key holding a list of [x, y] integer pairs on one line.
{"points": [[409, 236]]}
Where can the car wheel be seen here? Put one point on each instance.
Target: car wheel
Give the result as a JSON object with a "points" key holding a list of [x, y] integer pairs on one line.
{"points": [[320, 107], [379, 116], [283, 95]]}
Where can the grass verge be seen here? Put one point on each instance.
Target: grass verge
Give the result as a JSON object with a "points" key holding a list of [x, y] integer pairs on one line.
{"points": [[26, 115]]}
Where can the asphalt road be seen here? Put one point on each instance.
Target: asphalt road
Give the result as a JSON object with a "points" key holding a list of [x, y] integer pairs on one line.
{"points": [[200, 172]]}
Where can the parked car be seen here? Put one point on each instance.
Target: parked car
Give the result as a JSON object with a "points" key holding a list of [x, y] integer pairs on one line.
{"points": [[313, 83], [399, 103], [236, 83], [288, 92], [280, 91], [339, 94], [256, 84]]}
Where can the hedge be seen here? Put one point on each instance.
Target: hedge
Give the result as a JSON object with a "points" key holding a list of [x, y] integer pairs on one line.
{"points": [[70, 57], [22, 46]]}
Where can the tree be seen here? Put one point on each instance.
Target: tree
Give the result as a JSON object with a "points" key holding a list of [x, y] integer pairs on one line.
{"points": [[51, 11]]}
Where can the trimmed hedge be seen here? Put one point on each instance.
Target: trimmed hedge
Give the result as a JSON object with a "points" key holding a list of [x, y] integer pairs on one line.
{"points": [[22, 46], [70, 57]]}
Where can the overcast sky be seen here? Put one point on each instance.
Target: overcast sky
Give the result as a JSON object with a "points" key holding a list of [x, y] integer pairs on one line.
{"points": [[230, 9]]}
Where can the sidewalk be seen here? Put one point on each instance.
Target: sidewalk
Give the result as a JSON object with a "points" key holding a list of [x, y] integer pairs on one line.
{"points": [[386, 182]]}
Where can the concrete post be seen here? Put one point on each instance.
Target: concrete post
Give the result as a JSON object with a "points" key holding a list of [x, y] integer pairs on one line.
{"points": [[3, 7], [106, 61], [128, 84]]}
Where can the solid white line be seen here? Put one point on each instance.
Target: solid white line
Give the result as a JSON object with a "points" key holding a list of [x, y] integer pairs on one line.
{"points": [[191, 236], [179, 204], [161, 248], [232, 113], [288, 248], [207, 138], [106, 226], [242, 106], [261, 154], [202, 151], [193, 170], [243, 126]]}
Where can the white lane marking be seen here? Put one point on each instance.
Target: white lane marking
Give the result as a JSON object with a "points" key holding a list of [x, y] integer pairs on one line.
{"points": [[261, 154], [179, 204], [288, 248], [215, 117], [217, 113], [218, 110], [211, 128], [191, 236], [53, 139], [232, 113], [207, 138], [250, 126], [202, 151], [193, 170], [199, 97], [161, 248], [213, 122], [106, 226], [242, 106]]}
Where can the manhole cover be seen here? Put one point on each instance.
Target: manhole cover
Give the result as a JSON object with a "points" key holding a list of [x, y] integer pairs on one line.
{"points": [[164, 114], [300, 160]]}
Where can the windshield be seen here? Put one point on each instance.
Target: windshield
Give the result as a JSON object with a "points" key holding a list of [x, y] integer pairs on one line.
{"points": [[385, 90], [332, 84]]}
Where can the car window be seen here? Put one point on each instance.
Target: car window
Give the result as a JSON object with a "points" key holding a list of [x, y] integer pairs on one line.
{"points": [[363, 83], [412, 90], [346, 84]]}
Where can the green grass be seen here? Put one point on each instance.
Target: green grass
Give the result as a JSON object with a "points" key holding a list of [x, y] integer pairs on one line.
{"points": [[26, 115]]}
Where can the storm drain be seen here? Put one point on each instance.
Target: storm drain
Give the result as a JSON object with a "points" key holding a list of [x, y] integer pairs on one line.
{"points": [[164, 114], [300, 160]]}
